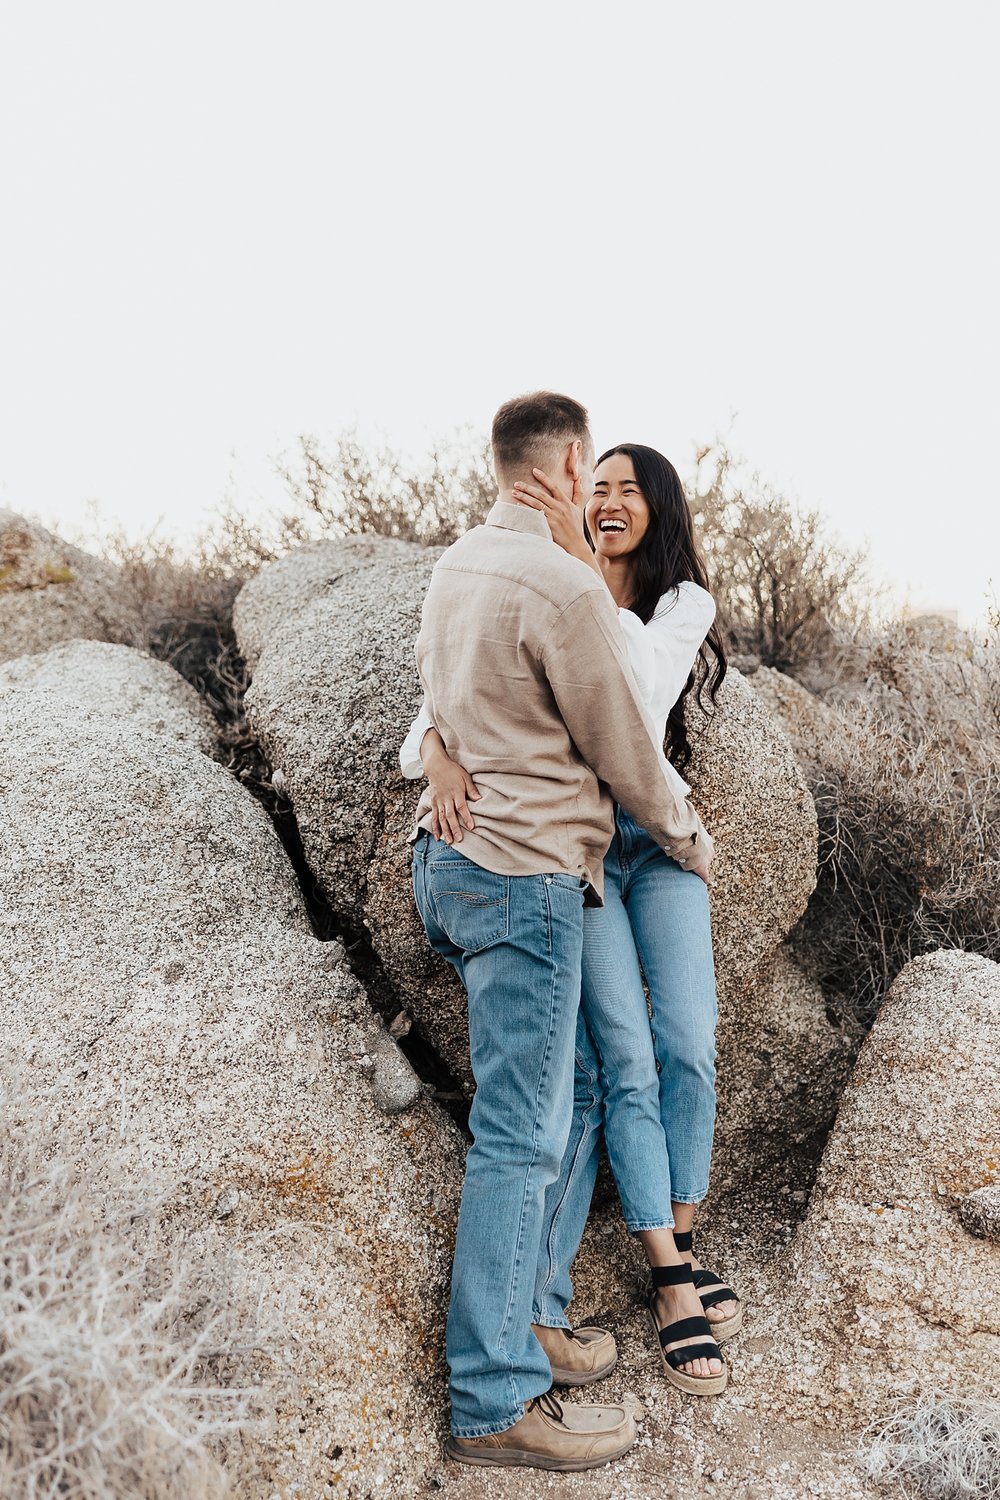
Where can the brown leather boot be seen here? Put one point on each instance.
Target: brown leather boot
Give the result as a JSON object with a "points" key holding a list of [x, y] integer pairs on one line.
{"points": [[552, 1435], [579, 1357]]}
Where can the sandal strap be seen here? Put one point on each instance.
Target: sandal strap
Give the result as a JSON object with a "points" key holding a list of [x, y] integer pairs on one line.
{"points": [[705, 1277], [684, 1239], [686, 1328], [721, 1294], [677, 1357], [671, 1275]]}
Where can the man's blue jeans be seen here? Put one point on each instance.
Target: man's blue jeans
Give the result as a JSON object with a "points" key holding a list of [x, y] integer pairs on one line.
{"points": [[653, 1094], [516, 943]]}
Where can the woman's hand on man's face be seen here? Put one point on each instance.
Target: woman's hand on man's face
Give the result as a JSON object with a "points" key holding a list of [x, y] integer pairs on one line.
{"points": [[562, 510]]}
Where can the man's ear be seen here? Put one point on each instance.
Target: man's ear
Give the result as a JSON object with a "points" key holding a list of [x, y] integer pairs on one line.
{"points": [[573, 457]]}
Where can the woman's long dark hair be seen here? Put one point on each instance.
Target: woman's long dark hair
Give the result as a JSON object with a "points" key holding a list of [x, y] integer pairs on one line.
{"points": [[668, 555]]}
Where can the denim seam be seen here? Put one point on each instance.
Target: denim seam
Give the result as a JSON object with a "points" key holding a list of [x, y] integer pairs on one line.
{"points": [[588, 1114], [688, 1197], [518, 1256], [641, 1228]]}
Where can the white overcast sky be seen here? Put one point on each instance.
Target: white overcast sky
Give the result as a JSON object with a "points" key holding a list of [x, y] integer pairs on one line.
{"points": [[224, 225]]}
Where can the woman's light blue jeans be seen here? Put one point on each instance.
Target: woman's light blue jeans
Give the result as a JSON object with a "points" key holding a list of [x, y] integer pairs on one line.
{"points": [[650, 1087], [516, 943]]}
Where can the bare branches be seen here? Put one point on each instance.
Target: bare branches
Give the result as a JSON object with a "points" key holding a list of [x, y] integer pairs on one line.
{"points": [[359, 491], [787, 593]]}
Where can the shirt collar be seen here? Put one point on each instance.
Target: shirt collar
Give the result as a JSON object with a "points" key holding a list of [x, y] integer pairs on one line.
{"points": [[510, 517]]}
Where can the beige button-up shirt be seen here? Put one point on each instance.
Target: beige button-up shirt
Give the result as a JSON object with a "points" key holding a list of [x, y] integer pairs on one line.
{"points": [[524, 666]]}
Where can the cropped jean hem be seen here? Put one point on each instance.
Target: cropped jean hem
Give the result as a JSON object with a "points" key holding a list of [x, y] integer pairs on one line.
{"points": [[662, 1224], [688, 1197], [488, 1429], [551, 1320]]}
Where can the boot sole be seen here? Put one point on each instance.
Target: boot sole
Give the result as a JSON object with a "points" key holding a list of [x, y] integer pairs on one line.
{"points": [[574, 1377], [521, 1458]]}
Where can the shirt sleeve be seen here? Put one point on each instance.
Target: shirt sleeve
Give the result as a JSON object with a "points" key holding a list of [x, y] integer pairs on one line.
{"points": [[587, 666], [663, 652], [410, 763]]}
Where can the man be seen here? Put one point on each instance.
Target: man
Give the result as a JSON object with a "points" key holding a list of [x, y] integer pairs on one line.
{"points": [[526, 680]]}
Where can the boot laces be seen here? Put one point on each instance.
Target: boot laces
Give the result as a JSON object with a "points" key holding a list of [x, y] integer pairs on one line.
{"points": [[550, 1405]]}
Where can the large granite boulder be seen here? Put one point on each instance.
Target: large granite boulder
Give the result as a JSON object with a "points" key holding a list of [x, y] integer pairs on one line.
{"points": [[92, 678], [887, 1271], [157, 960], [51, 591], [810, 724], [329, 633]]}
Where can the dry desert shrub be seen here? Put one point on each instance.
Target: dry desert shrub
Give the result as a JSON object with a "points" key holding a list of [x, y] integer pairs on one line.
{"points": [[906, 779], [942, 1448], [186, 598], [355, 490], [788, 594], [125, 1369]]}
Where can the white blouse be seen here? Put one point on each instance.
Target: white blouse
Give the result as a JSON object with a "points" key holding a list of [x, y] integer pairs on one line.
{"points": [[661, 655]]}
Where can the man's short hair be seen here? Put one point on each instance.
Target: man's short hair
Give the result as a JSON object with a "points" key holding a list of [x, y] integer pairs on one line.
{"points": [[527, 429]]}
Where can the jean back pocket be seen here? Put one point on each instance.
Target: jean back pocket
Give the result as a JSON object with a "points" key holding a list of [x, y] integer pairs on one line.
{"points": [[471, 904]]}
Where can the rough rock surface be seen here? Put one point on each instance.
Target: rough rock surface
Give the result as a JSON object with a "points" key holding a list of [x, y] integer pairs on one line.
{"points": [[93, 679], [806, 719], [155, 950], [329, 633], [980, 1212], [882, 1269], [51, 591]]}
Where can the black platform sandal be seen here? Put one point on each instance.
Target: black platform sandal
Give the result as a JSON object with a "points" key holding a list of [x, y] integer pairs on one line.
{"points": [[685, 1328], [720, 1292]]}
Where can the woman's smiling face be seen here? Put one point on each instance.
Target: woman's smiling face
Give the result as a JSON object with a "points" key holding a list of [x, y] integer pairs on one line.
{"points": [[618, 513]]}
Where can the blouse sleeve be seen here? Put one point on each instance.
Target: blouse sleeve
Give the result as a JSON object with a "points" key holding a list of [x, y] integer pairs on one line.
{"points": [[663, 652], [410, 763]]}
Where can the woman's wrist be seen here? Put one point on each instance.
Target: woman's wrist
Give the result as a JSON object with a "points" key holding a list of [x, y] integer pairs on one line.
{"points": [[431, 749], [584, 553]]}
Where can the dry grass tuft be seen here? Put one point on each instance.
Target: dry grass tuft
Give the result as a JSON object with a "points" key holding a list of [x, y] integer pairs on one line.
{"points": [[943, 1448], [125, 1370]]}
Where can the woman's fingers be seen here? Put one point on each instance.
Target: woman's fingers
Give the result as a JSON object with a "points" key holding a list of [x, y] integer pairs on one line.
{"points": [[471, 790], [525, 491], [544, 479], [452, 823], [444, 823]]}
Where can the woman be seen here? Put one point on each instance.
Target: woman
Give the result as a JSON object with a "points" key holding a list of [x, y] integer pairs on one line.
{"points": [[654, 1094]]}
